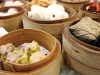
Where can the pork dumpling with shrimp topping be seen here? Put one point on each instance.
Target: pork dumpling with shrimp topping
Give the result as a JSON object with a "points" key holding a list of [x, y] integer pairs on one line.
{"points": [[29, 48], [5, 49], [17, 57], [36, 57]]}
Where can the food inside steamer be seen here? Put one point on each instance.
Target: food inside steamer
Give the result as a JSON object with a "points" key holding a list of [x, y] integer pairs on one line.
{"points": [[74, 1], [86, 30], [36, 57], [94, 7], [11, 11], [52, 12], [17, 57], [5, 49], [25, 54], [11, 3]]}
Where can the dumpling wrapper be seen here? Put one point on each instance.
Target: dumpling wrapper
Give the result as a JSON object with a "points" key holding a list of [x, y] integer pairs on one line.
{"points": [[40, 13], [36, 57], [17, 57]]}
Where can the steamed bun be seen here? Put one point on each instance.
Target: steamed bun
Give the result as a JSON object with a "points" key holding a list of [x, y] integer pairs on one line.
{"points": [[9, 3], [55, 8], [56, 15], [39, 13], [30, 13], [34, 7]]}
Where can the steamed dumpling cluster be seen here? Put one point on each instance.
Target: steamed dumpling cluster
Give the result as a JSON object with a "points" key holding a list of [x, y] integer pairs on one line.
{"points": [[52, 12], [29, 53], [11, 3], [11, 11]]}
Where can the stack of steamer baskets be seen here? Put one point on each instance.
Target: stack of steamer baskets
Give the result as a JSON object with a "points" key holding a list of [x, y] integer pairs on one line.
{"points": [[75, 4], [49, 65], [12, 22], [80, 56], [53, 27], [26, 4], [83, 11]]}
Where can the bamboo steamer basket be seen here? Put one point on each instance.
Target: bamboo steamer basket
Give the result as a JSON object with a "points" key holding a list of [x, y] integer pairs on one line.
{"points": [[53, 27], [83, 12], [75, 6], [81, 57], [21, 36], [12, 22], [26, 4], [52, 67]]}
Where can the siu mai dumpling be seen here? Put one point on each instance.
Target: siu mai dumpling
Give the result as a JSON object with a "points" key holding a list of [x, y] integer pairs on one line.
{"points": [[5, 49], [17, 57], [36, 57], [29, 48]]}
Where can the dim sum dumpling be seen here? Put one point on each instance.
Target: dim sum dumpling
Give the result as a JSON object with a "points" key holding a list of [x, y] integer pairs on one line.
{"points": [[17, 57], [5, 49], [29, 48], [36, 57], [9, 3], [18, 3]]}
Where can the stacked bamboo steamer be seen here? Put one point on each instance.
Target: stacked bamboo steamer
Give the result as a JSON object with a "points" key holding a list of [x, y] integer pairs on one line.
{"points": [[53, 27], [26, 4], [12, 22], [42, 67], [83, 12], [81, 57], [74, 5]]}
